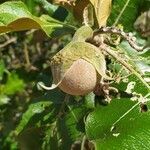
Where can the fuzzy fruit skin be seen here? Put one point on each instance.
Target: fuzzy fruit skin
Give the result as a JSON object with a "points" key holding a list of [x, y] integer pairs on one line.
{"points": [[80, 79]]}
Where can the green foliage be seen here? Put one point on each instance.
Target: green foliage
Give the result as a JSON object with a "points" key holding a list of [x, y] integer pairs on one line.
{"points": [[131, 85], [71, 126], [31, 118], [4, 99], [33, 109], [109, 131], [22, 19], [121, 13], [2, 69], [12, 85]]}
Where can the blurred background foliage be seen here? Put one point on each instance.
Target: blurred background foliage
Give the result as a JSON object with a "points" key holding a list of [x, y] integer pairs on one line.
{"points": [[32, 119]]}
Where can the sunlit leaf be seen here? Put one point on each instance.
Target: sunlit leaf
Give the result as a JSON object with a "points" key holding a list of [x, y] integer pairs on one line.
{"points": [[14, 84], [14, 16], [4, 100]]}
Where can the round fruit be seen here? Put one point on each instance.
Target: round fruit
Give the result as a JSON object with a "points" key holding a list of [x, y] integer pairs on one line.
{"points": [[80, 79], [79, 66]]}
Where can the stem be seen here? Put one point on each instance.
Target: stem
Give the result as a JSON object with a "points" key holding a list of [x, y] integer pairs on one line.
{"points": [[83, 143], [127, 36]]}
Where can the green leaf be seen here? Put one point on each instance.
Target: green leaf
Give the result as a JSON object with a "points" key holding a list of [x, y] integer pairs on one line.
{"points": [[31, 4], [34, 109], [139, 69], [140, 60], [131, 86], [14, 84], [109, 130], [14, 16], [124, 12]]}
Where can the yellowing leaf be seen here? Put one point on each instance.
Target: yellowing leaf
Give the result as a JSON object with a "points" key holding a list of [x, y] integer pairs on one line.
{"points": [[102, 10]]}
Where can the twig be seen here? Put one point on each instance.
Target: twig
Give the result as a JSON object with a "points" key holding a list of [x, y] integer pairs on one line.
{"points": [[12, 40], [31, 31], [83, 142], [26, 54], [28, 65], [6, 37], [38, 48], [127, 36]]}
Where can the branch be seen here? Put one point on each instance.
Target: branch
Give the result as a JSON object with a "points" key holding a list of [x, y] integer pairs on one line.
{"points": [[12, 40], [127, 36]]}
